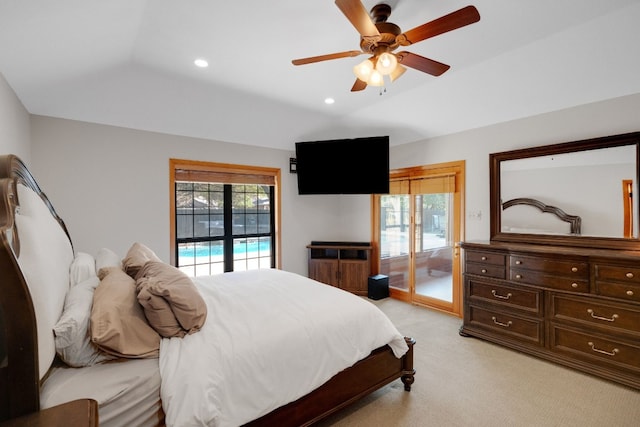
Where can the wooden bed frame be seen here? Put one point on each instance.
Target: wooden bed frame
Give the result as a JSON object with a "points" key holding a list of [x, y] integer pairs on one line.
{"points": [[575, 222], [19, 375]]}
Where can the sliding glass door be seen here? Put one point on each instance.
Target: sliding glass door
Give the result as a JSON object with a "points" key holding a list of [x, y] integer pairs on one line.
{"points": [[419, 230], [395, 233]]}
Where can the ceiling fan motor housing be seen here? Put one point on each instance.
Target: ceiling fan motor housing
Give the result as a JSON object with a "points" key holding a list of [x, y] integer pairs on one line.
{"points": [[380, 12], [388, 32], [387, 41]]}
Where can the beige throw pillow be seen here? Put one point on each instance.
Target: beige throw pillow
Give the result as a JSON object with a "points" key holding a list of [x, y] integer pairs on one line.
{"points": [[118, 325], [172, 303], [137, 256]]}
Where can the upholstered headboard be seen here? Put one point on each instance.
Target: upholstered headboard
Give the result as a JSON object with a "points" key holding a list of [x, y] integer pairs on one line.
{"points": [[35, 255]]}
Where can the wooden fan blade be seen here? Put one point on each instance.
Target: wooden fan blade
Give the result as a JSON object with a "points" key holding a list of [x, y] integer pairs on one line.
{"points": [[358, 86], [421, 63], [313, 59], [359, 17], [454, 20]]}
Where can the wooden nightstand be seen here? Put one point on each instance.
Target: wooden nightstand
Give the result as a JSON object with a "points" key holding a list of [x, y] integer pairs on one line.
{"points": [[77, 413]]}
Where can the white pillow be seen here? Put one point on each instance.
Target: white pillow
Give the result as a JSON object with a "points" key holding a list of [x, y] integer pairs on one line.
{"points": [[82, 267], [106, 258], [72, 338], [45, 257]]}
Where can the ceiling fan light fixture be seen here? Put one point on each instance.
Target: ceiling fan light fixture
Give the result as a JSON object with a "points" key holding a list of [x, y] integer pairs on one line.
{"points": [[386, 63], [379, 38], [397, 72], [363, 70], [375, 79]]}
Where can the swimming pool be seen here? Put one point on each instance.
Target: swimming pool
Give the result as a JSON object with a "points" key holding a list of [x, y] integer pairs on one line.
{"points": [[251, 248]]}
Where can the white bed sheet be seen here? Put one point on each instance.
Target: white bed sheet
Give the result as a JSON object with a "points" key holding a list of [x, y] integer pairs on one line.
{"points": [[270, 338], [127, 391]]}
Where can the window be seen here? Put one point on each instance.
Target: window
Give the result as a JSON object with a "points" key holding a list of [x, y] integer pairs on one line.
{"points": [[224, 217]]}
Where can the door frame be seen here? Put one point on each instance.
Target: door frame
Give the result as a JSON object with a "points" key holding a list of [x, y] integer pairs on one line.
{"points": [[416, 172]]}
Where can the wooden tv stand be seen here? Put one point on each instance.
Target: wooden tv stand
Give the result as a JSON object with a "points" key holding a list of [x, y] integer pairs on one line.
{"points": [[345, 265]]}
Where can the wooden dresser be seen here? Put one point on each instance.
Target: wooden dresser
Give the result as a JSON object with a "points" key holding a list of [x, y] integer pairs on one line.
{"points": [[578, 307]]}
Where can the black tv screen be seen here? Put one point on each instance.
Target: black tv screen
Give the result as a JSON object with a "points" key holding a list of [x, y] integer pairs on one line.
{"points": [[343, 166]]}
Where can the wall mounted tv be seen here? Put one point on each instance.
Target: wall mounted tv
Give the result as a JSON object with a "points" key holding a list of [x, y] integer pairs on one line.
{"points": [[343, 166]]}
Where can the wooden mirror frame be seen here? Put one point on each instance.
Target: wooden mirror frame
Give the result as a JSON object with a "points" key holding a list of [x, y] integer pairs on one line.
{"points": [[495, 160]]}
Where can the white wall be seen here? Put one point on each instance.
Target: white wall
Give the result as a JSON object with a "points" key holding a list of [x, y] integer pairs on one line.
{"points": [[111, 186], [616, 116], [14, 124], [106, 182]]}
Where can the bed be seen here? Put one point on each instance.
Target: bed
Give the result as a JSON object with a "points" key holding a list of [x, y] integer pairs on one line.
{"points": [[531, 216], [264, 347]]}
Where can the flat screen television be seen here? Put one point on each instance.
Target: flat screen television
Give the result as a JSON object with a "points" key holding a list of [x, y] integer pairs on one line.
{"points": [[343, 166]]}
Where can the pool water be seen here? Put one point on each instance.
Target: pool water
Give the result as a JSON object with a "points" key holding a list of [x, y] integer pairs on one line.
{"points": [[206, 250]]}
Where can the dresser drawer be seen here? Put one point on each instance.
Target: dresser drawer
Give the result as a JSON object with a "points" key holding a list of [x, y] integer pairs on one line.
{"points": [[598, 349], [568, 268], [617, 273], [519, 298], [485, 257], [516, 327], [532, 277], [494, 271], [627, 292], [616, 318], [617, 282]]}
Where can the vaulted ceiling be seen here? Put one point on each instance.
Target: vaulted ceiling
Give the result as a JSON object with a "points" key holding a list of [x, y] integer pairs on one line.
{"points": [[130, 63]]}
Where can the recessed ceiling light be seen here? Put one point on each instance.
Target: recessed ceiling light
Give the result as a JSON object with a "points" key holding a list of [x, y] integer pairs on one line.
{"points": [[329, 101], [202, 63]]}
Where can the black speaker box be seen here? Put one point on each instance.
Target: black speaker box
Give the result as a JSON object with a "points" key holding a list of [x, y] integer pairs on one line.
{"points": [[378, 286]]}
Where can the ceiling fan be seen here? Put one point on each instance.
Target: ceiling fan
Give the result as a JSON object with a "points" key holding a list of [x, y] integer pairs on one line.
{"points": [[380, 38]]}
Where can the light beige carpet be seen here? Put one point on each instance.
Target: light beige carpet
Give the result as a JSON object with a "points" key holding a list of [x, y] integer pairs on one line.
{"points": [[464, 381]]}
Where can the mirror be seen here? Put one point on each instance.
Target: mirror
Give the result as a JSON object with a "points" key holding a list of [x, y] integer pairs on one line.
{"points": [[577, 193]]}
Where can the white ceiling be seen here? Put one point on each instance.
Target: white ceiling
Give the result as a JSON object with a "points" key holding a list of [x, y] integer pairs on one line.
{"points": [[130, 63]]}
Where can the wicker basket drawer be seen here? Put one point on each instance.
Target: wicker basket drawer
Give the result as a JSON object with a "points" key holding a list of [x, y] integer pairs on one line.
{"points": [[598, 349], [522, 298], [517, 327], [615, 318]]}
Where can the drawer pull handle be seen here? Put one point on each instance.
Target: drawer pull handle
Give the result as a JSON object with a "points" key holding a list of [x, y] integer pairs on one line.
{"points": [[608, 353], [629, 275], [607, 319], [506, 325], [574, 269], [630, 293], [484, 258], [574, 285], [497, 295], [518, 262], [483, 271], [518, 276]]}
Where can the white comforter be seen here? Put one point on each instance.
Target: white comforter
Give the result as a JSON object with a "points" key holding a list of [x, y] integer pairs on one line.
{"points": [[270, 337]]}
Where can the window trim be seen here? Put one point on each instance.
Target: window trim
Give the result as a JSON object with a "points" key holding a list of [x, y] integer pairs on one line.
{"points": [[224, 169]]}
